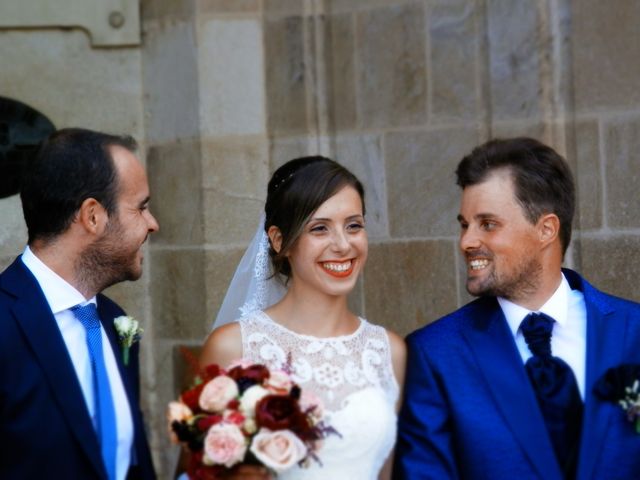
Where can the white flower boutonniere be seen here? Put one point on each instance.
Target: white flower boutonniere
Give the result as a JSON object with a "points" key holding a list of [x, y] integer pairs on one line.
{"points": [[129, 331]]}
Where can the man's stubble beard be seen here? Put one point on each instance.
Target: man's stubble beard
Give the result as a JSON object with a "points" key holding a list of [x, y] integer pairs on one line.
{"points": [[105, 263], [522, 285]]}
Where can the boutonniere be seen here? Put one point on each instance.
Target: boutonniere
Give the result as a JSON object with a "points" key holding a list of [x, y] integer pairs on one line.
{"points": [[621, 385], [129, 331]]}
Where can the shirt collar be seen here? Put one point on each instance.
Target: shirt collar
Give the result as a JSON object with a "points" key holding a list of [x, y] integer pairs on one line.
{"points": [[557, 307], [59, 293]]}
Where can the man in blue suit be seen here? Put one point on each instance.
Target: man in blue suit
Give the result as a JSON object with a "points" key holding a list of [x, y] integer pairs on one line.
{"points": [[515, 385], [68, 402]]}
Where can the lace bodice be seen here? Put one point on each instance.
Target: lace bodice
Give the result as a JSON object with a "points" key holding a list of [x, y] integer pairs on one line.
{"points": [[352, 375]]}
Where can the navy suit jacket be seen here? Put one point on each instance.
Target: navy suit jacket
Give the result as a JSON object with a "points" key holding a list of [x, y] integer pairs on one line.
{"points": [[45, 428], [470, 412]]}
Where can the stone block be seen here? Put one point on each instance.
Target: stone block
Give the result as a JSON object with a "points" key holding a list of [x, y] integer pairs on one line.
{"points": [[230, 219], [185, 363], [422, 194], [612, 264], [13, 234], [362, 154], [355, 5], [514, 58], [622, 172], [285, 148], [231, 96], [219, 269], [228, 6], [605, 45], [94, 88], [175, 183], [162, 9], [179, 294], [588, 177], [285, 74], [453, 52], [409, 284], [6, 261], [340, 49], [391, 78], [283, 7], [130, 295], [170, 76]]}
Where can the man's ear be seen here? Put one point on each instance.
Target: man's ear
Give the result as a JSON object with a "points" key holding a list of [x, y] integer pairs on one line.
{"points": [[92, 216], [548, 228], [275, 237]]}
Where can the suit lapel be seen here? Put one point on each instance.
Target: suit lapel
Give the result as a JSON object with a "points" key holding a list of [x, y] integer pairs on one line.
{"points": [[605, 340], [41, 332], [497, 356]]}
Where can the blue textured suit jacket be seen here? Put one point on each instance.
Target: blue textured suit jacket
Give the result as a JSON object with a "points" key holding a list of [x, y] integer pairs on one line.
{"points": [[45, 428], [470, 412]]}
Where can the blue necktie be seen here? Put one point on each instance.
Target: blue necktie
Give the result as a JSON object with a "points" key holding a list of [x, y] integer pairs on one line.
{"points": [[556, 390], [104, 409]]}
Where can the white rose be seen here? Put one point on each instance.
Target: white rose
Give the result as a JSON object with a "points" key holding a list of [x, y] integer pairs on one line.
{"points": [[250, 398], [279, 450]]}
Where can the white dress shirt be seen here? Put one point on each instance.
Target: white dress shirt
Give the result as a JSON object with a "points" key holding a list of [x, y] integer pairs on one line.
{"points": [[569, 335], [61, 297]]}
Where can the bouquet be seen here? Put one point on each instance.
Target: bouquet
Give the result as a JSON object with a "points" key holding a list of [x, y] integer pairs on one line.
{"points": [[246, 414]]}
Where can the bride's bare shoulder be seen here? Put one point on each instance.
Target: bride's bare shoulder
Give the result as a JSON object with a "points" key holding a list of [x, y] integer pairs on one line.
{"points": [[223, 345]]}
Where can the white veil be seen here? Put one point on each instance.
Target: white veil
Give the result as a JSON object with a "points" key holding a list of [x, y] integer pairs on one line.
{"points": [[253, 286]]}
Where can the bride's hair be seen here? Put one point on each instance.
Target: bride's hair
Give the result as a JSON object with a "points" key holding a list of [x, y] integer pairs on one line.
{"points": [[295, 191]]}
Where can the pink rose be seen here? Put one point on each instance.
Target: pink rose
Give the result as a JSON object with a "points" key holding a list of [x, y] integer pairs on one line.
{"points": [[217, 393], [279, 382], [279, 450], [224, 445]]}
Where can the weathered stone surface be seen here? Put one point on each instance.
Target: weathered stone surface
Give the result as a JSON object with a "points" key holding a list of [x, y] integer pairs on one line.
{"points": [[509, 129], [60, 75], [422, 193], [355, 5], [228, 6], [605, 46], [453, 50], [392, 84], [175, 183], [170, 78], [587, 174], [513, 53], [219, 269], [231, 77], [622, 167], [283, 149], [128, 295], [161, 9], [13, 234], [285, 74], [235, 177], [409, 284], [6, 261], [612, 264], [179, 294], [283, 7], [340, 49]]}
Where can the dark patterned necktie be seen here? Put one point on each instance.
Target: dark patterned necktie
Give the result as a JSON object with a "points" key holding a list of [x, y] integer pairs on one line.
{"points": [[105, 423], [556, 390]]}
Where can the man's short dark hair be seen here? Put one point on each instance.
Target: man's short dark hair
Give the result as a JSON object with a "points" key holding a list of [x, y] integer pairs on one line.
{"points": [[71, 165], [542, 180]]}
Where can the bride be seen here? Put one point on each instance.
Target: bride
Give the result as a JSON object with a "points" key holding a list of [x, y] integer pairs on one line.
{"points": [[315, 241]]}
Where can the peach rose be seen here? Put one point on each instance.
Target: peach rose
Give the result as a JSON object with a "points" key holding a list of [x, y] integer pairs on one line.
{"points": [[279, 450], [217, 393], [250, 398], [177, 412], [224, 445], [279, 382]]}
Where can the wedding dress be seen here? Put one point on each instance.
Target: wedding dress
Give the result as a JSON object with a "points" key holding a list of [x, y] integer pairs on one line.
{"points": [[353, 377]]}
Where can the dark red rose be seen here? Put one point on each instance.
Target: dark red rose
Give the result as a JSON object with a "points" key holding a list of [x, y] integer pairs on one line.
{"points": [[211, 371], [198, 471], [233, 404], [279, 412], [255, 373], [208, 421], [191, 397]]}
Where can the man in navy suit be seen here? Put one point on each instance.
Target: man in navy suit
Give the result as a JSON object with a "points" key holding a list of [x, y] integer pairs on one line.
{"points": [[510, 385], [85, 202]]}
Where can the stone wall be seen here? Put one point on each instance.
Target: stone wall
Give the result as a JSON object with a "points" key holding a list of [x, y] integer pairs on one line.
{"points": [[221, 92]]}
